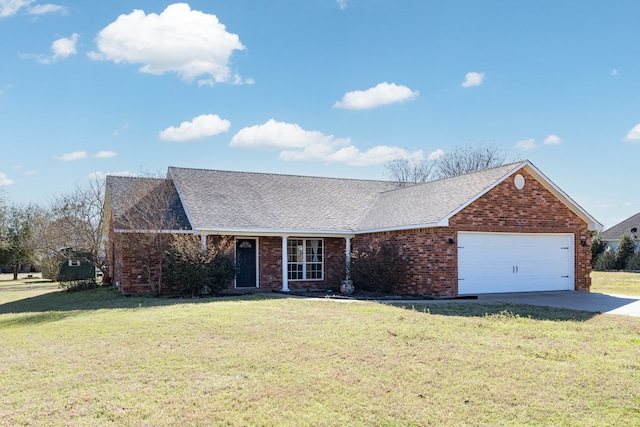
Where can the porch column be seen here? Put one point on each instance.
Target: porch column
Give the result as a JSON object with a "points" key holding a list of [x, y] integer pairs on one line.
{"points": [[203, 239], [285, 272], [348, 257]]}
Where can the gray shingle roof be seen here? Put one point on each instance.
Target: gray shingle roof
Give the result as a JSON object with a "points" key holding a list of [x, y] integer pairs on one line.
{"points": [[222, 200], [216, 201], [132, 196], [616, 232]]}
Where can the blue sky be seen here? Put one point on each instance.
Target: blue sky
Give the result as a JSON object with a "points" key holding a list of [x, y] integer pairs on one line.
{"points": [[319, 87]]}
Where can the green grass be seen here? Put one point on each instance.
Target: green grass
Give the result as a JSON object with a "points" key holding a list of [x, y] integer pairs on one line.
{"points": [[96, 358], [618, 283]]}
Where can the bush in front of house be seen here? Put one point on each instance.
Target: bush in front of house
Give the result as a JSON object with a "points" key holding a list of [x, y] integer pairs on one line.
{"points": [[378, 268], [196, 271]]}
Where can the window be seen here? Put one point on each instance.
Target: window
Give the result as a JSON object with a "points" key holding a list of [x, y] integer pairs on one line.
{"points": [[305, 259], [74, 263]]}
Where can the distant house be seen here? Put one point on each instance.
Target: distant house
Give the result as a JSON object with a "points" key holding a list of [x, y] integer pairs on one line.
{"points": [[505, 229], [76, 266], [613, 235]]}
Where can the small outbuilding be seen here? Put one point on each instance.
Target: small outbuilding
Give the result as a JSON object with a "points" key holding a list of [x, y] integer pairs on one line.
{"points": [[505, 229], [76, 265]]}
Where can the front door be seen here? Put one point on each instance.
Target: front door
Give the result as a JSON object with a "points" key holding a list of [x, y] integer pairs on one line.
{"points": [[246, 262]]}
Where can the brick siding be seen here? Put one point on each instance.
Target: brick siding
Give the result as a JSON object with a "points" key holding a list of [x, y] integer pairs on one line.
{"points": [[432, 261]]}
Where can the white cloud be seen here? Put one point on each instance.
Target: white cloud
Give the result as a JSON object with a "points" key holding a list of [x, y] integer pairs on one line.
{"points": [[552, 140], [43, 9], [297, 144], [342, 4], [382, 94], [473, 79], [61, 48], [11, 7], [614, 72], [350, 155], [188, 42], [200, 127], [30, 172], [69, 157], [64, 47], [280, 135], [105, 154], [526, 144], [4, 180], [633, 135]]}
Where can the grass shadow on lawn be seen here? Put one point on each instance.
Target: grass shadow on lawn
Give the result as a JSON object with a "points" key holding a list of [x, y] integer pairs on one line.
{"points": [[56, 305], [60, 302], [504, 310]]}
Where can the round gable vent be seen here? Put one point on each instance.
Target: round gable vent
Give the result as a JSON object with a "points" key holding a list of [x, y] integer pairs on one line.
{"points": [[518, 181]]}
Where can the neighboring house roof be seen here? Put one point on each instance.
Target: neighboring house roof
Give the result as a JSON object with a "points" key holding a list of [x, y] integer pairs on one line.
{"points": [[222, 202], [615, 233]]}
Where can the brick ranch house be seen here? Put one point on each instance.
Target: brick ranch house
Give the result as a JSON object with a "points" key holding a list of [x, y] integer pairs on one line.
{"points": [[505, 229]]}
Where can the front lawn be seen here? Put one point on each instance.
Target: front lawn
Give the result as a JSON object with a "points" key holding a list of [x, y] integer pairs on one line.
{"points": [[614, 282], [96, 358]]}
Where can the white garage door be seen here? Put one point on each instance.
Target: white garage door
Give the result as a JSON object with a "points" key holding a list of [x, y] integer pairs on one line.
{"points": [[514, 262]]}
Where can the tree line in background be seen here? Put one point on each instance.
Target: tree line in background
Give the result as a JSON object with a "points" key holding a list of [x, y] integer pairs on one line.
{"points": [[43, 236], [624, 257]]}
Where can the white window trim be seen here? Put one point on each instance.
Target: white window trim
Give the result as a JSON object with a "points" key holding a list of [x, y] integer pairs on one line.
{"points": [[74, 263], [304, 260]]}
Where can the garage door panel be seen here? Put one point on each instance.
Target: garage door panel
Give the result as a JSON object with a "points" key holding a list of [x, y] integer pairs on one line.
{"points": [[514, 262]]}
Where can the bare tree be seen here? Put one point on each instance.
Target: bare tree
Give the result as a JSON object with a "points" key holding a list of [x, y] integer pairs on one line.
{"points": [[460, 161], [469, 159], [75, 221], [405, 171], [146, 213]]}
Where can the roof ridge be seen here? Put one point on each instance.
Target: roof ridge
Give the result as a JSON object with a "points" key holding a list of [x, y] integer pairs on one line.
{"points": [[285, 175]]}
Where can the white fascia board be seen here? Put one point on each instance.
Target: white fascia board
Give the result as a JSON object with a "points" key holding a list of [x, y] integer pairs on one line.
{"points": [[274, 232], [592, 223], [143, 231]]}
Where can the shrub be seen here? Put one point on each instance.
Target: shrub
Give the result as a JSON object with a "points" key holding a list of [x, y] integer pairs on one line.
{"points": [[634, 262], [598, 246], [605, 261], [378, 268], [624, 251], [196, 271], [50, 268], [73, 285]]}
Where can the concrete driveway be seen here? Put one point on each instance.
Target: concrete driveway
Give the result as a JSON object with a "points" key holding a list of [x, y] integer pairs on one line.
{"points": [[586, 301]]}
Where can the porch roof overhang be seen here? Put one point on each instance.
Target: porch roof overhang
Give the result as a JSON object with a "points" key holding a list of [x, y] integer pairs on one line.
{"points": [[274, 232]]}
